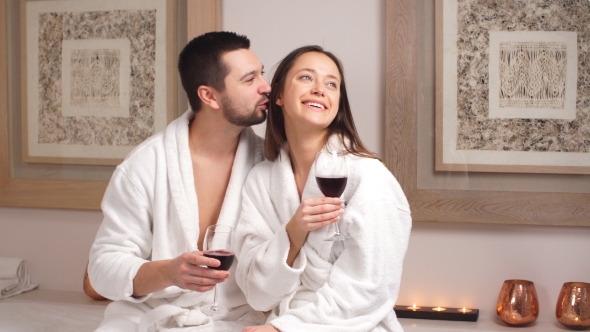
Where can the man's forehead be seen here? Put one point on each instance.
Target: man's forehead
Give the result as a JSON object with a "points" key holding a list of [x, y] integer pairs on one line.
{"points": [[241, 61]]}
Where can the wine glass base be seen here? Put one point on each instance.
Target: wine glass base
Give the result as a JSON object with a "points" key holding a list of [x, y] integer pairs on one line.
{"points": [[214, 310], [337, 237]]}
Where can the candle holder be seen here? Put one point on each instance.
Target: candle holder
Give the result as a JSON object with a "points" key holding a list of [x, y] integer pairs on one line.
{"points": [[573, 305], [518, 304], [436, 313]]}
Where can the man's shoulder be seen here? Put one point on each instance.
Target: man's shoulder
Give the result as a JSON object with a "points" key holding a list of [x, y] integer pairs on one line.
{"points": [[146, 152]]}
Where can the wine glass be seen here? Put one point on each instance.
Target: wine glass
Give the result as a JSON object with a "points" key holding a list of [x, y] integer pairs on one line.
{"points": [[218, 244], [331, 175]]}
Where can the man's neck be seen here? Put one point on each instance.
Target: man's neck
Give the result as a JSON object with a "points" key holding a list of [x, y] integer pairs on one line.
{"points": [[211, 136]]}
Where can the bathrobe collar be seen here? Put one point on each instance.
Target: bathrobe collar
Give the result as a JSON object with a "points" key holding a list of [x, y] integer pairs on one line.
{"points": [[181, 179]]}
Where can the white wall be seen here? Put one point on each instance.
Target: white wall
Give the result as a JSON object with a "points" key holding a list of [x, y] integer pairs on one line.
{"points": [[55, 243], [354, 33], [446, 264]]}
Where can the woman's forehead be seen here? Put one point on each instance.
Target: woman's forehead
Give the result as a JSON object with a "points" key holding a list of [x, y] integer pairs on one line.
{"points": [[316, 62]]}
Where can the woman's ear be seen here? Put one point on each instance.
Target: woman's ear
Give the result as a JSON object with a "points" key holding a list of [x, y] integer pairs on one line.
{"points": [[279, 101], [208, 96]]}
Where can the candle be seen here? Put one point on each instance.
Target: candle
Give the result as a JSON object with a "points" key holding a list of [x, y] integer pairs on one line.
{"points": [[439, 313]]}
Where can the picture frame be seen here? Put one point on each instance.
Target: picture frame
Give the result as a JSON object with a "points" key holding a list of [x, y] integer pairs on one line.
{"points": [[98, 79], [404, 135], [493, 109], [46, 192]]}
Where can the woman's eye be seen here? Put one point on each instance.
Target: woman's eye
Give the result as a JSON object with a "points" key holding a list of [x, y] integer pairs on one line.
{"points": [[333, 85], [306, 77]]}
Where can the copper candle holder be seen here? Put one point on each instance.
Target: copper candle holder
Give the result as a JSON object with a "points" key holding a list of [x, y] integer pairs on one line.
{"points": [[518, 304], [573, 305]]}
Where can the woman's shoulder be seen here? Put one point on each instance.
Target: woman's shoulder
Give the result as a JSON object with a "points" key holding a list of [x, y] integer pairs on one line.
{"points": [[260, 173], [368, 166]]}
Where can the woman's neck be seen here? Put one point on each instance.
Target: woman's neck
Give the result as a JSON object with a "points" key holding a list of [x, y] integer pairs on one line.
{"points": [[303, 148]]}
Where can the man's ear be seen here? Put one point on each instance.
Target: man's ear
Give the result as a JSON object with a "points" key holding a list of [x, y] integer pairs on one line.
{"points": [[208, 96]]}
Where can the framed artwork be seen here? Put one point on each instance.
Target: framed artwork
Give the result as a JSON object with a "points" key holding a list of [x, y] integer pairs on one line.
{"points": [[99, 75], [512, 86], [88, 116], [411, 139]]}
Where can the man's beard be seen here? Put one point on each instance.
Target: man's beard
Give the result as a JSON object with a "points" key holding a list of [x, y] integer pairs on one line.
{"points": [[237, 116]]}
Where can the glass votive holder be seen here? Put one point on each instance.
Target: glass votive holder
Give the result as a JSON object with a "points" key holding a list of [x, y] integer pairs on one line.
{"points": [[518, 304], [573, 305]]}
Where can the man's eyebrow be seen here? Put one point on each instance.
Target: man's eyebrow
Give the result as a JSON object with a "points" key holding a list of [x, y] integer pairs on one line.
{"points": [[252, 72], [313, 71]]}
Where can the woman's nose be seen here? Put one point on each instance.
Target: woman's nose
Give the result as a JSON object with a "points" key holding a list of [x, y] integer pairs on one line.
{"points": [[318, 89]]}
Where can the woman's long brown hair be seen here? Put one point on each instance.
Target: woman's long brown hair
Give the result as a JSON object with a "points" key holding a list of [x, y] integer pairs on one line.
{"points": [[342, 125]]}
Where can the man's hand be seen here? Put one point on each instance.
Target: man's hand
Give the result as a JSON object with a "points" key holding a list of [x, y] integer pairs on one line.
{"points": [[261, 328], [187, 271]]}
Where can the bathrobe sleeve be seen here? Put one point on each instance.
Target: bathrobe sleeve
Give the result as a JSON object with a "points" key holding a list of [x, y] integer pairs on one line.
{"points": [[123, 242], [262, 246], [364, 281]]}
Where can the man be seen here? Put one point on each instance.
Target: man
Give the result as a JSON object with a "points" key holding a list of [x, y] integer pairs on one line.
{"points": [[147, 253]]}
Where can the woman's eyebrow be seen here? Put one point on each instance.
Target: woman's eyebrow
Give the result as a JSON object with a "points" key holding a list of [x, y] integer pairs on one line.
{"points": [[313, 71]]}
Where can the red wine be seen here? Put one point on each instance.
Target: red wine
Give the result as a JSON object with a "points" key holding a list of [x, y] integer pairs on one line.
{"points": [[331, 187], [225, 257]]}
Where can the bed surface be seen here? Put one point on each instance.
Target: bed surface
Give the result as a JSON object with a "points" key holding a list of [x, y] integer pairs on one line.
{"points": [[43, 310]]}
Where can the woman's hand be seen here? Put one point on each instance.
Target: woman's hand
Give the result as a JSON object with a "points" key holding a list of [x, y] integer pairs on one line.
{"points": [[313, 213], [261, 328]]}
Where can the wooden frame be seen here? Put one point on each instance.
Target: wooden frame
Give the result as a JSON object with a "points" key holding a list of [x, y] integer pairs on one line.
{"points": [[87, 121], [449, 157], [43, 193], [401, 155]]}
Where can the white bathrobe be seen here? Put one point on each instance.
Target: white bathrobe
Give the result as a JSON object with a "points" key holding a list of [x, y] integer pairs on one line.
{"points": [[332, 286], [151, 213]]}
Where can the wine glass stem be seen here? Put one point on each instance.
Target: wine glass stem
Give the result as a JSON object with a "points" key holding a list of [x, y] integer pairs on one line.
{"points": [[215, 306], [338, 221], [337, 227]]}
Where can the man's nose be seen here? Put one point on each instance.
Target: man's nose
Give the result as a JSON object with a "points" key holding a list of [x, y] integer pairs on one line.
{"points": [[265, 87]]}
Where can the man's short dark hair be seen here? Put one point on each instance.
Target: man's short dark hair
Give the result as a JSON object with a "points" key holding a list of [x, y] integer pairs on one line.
{"points": [[199, 63]]}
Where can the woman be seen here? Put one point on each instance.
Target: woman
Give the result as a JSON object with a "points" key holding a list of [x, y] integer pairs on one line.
{"points": [[284, 263]]}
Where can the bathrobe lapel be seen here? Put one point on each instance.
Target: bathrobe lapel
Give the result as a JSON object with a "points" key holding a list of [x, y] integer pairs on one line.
{"points": [[284, 187], [180, 174]]}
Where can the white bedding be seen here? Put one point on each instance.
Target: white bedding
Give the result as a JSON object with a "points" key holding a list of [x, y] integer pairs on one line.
{"points": [[34, 317]]}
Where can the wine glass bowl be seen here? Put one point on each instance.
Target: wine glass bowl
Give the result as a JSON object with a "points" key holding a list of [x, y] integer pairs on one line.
{"points": [[218, 244], [331, 173]]}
